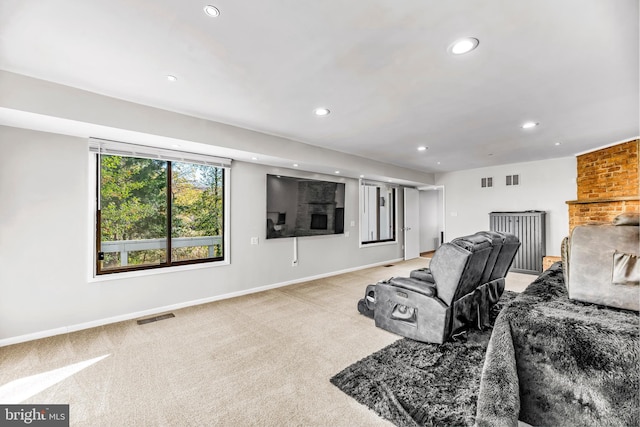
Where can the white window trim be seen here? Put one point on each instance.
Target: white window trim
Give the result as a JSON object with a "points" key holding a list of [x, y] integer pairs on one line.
{"points": [[361, 183], [92, 275]]}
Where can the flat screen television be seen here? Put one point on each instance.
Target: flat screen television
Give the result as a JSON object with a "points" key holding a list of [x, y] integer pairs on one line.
{"points": [[303, 207]]}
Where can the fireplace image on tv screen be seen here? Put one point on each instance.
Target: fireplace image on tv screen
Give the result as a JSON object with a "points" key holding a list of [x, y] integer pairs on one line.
{"points": [[304, 207]]}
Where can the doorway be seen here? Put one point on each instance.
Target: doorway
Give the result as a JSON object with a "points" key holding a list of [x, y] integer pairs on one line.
{"points": [[432, 218]]}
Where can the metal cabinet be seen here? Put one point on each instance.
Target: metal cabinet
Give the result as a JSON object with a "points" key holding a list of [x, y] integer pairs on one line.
{"points": [[529, 227]]}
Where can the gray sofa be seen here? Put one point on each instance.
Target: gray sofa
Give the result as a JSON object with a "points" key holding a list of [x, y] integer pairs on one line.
{"points": [[601, 263], [464, 279]]}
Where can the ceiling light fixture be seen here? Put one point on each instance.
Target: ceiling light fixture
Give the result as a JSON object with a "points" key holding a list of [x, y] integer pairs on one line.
{"points": [[422, 148], [321, 112], [464, 45], [558, 143], [254, 158], [171, 78], [295, 165], [337, 171], [361, 176], [438, 162], [212, 11], [529, 125]]}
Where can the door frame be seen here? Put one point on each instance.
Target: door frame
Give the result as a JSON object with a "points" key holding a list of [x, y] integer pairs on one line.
{"points": [[411, 225]]}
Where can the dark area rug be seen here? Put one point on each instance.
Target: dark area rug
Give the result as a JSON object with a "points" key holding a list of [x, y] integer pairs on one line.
{"points": [[416, 384]]}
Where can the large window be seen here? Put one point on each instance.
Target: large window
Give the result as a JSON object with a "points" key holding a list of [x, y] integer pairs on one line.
{"points": [[154, 212], [377, 213]]}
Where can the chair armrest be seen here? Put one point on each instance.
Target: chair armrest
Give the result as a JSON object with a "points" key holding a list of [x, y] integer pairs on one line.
{"points": [[415, 285], [423, 274]]}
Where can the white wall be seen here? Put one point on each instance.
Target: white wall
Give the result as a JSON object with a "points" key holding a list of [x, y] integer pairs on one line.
{"points": [[45, 238], [544, 185]]}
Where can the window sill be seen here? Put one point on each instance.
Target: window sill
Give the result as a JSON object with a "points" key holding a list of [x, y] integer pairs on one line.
{"points": [[369, 245], [155, 271]]}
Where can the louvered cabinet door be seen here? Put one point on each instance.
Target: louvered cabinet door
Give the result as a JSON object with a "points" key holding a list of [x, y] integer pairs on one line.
{"points": [[529, 227]]}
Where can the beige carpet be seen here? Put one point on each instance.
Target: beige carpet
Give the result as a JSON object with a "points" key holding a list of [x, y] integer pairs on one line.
{"points": [[263, 359]]}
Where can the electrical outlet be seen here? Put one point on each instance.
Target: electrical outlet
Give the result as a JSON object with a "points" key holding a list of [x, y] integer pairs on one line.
{"points": [[353, 223], [346, 234], [254, 240], [294, 263]]}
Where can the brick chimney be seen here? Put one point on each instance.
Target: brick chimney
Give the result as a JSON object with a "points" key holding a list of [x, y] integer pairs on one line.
{"points": [[607, 185]]}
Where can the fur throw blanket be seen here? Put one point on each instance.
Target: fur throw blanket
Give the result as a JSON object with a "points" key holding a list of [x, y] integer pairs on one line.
{"points": [[556, 362]]}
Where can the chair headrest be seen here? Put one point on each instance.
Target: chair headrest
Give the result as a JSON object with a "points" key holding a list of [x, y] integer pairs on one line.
{"points": [[473, 243]]}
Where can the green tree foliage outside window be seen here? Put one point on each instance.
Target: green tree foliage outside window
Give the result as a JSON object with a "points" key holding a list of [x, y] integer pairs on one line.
{"points": [[134, 211]]}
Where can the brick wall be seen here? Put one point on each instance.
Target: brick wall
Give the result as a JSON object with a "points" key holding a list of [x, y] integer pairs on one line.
{"points": [[607, 182], [610, 172]]}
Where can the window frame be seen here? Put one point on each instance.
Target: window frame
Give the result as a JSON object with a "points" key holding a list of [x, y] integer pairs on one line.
{"points": [[394, 212], [170, 157]]}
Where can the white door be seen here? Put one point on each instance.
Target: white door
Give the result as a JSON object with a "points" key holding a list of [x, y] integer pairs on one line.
{"points": [[411, 223]]}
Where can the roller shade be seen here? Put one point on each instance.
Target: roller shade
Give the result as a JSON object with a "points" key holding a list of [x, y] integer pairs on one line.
{"points": [[115, 148], [378, 184]]}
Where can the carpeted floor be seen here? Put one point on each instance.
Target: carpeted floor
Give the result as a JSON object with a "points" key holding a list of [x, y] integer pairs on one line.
{"points": [[418, 384], [263, 359]]}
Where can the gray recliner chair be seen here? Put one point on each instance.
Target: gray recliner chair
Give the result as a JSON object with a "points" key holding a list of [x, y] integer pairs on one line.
{"points": [[493, 279], [465, 278]]}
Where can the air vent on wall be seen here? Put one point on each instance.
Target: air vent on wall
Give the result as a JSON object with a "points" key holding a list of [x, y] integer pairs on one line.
{"points": [[486, 182], [155, 318], [513, 179]]}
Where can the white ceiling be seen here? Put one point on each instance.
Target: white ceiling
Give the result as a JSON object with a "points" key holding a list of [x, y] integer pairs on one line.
{"points": [[381, 67]]}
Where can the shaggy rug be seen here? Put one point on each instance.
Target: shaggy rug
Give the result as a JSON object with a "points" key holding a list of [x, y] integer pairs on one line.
{"points": [[415, 384], [557, 362]]}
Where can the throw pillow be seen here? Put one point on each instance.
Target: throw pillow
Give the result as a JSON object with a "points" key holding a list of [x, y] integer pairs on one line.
{"points": [[626, 269]]}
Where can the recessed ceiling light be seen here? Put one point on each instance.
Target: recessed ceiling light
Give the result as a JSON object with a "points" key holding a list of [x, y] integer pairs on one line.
{"points": [[463, 45], [321, 111], [176, 145], [295, 165], [254, 158], [438, 162], [337, 172], [558, 143], [361, 176], [211, 11], [171, 78], [422, 148], [529, 125]]}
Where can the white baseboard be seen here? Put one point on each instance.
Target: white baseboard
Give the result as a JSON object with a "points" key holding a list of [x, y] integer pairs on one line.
{"points": [[101, 322]]}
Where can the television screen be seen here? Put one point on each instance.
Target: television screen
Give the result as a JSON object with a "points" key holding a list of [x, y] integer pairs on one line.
{"points": [[303, 207]]}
